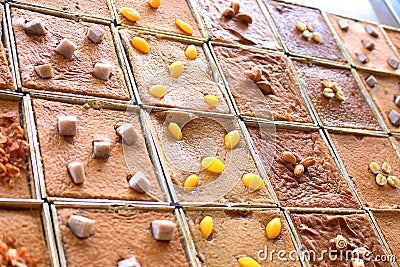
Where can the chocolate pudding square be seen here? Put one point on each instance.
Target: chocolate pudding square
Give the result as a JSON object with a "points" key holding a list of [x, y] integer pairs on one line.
{"points": [[94, 8], [15, 182], [71, 75], [318, 232], [188, 90], [286, 16], [320, 185], [6, 77], [357, 41], [240, 233], [336, 112], [388, 223], [226, 29], [105, 178], [127, 232], [274, 95], [357, 151], [202, 137], [162, 18], [383, 89], [394, 36], [22, 230]]}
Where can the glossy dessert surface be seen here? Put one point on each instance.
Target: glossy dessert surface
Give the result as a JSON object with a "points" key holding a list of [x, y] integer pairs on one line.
{"points": [[282, 104], [71, 75], [357, 152], [286, 16]]}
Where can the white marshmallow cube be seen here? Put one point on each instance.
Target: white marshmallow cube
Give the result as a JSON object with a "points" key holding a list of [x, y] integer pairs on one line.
{"points": [[35, 27], [81, 226], [128, 134], [44, 71], [66, 48], [77, 172], [101, 149], [163, 230], [96, 33], [67, 125], [131, 262], [102, 71], [140, 183]]}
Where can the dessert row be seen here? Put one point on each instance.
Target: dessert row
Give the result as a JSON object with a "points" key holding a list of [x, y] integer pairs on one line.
{"points": [[167, 236]]}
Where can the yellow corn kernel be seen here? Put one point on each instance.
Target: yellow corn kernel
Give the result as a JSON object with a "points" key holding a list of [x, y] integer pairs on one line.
{"points": [[130, 13], [174, 129], [176, 69], [191, 182], [273, 228], [140, 44], [253, 181], [231, 139], [184, 26], [158, 91], [248, 262], [213, 165], [191, 52], [206, 226], [154, 3], [212, 100]]}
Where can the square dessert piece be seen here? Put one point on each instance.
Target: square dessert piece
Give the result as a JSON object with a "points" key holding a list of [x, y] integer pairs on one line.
{"points": [[127, 232], [321, 184], [6, 78], [71, 75], [365, 44], [93, 8], [262, 85], [336, 109], [357, 152], [247, 26], [188, 90], [333, 239], [22, 230], [304, 31], [106, 178], [241, 233], [384, 89], [394, 36], [14, 153], [161, 18], [202, 152], [388, 223]]}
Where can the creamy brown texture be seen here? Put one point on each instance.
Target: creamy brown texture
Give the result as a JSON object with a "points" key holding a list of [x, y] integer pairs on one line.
{"points": [[104, 178], [73, 75], [356, 152], [322, 185], [317, 232], [249, 98], [119, 235], [352, 42], [286, 16], [26, 228], [394, 36], [188, 90], [388, 223], [238, 233], [225, 29], [204, 137], [333, 112], [384, 94], [22, 185], [97, 8], [6, 80], [161, 18]]}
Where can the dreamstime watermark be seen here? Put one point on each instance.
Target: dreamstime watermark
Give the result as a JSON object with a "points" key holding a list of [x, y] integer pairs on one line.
{"points": [[330, 255]]}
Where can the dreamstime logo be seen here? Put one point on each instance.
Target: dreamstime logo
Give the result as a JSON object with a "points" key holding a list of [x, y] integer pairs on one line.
{"points": [[203, 132]]}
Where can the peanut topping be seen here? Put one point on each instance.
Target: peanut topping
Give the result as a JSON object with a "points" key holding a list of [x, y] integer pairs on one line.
{"points": [[13, 149], [393, 181], [386, 167], [374, 167], [235, 6], [301, 26], [316, 36], [341, 243], [245, 18], [229, 13], [289, 157], [299, 170], [328, 93], [307, 162], [380, 179]]}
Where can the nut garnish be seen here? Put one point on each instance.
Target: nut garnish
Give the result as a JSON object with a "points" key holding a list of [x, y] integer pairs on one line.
{"points": [[301, 26], [340, 96], [289, 157], [341, 243], [332, 89], [235, 6], [327, 83], [374, 167], [393, 181], [299, 170], [11, 255], [229, 13], [245, 18], [307, 162], [328, 93], [310, 27], [386, 167], [307, 34], [316, 36], [257, 73], [13, 149], [380, 179]]}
